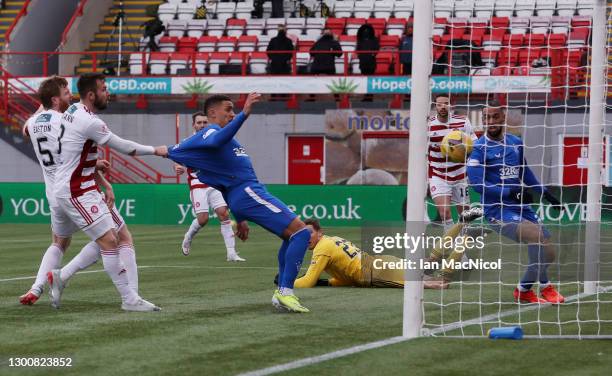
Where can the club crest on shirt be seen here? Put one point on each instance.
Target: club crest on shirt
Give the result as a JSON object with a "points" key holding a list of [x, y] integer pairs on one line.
{"points": [[94, 209]]}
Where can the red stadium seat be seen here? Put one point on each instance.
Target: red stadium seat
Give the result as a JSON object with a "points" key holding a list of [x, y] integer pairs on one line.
{"points": [[383, 62], [378, 24], [336, 25], [534, 39], [513, 40], [500, 23], [389, 41], [187, 44], [557, 40]]}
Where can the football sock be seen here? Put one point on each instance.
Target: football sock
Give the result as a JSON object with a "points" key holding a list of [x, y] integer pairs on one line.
{"points": [[281, 260], [441, 252], [228, 237], [52, 259], [127, 255], [298, 243], [113, 268], [88, 255], [193, 229], [536, 268], [285, 291]]}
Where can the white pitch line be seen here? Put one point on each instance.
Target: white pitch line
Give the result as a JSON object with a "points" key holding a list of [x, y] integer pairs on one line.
{"points": [[393, 340], [157, 267]]}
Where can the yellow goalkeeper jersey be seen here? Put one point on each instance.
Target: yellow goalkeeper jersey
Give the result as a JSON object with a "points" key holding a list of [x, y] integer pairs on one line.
{"points": [[340, 258]]}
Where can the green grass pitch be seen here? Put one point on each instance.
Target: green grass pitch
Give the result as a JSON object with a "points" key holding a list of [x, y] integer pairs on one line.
{"points": [[217, 318]]}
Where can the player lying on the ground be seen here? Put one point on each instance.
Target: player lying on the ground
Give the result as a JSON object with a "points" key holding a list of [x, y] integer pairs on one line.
{"points": [[498, 171], [348, 265], [43, 129], [79, 201], [204, 197], [223, 164]]}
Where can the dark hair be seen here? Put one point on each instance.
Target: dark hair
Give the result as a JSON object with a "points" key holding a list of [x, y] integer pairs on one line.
{"points": [[49, 88], [195, 115], [314, 223], [442, 95], [495, 103], [89, 82], [214, 100]]}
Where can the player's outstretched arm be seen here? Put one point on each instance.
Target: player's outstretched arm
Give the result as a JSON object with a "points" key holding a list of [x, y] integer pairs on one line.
{"points": [[317, 266]]}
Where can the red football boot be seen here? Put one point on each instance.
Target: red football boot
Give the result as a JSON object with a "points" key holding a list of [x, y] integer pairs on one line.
{"points": [[551, 295], [29, 298], [527, 297]]}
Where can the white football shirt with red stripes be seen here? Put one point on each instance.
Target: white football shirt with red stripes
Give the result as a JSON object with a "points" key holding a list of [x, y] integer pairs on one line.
{"points": [[193, 181], [439, 165], [84, 131]]}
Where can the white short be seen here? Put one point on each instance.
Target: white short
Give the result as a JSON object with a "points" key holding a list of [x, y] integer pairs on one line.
{"points": [[203, 198], [458, 190], [87, 212]]}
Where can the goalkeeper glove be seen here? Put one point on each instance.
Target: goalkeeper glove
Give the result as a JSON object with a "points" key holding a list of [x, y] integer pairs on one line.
{"points": [[521, 195], [554, 202]]}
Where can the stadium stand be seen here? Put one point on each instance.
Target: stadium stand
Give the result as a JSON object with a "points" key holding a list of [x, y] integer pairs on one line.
{"points": [[7, 15]]}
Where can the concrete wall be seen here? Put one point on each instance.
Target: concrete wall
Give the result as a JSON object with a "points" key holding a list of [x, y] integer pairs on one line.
{"points": [[14, 166], [40, 30]]}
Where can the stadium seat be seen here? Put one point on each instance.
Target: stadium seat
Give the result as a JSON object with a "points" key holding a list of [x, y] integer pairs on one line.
{"points": [[525, 8], [255, 26], [267, 10], [207, 43], [439, 27], [577, 38], [235, 27], [348, 42], [484, 8], [489, 57], [389, 42], [244, 9], [237, 58], [227, 44], [195, 28], [186, 11], [581, 21], [500, 23], [176, 28], [247, 43], [403, 8], [585, 7], [258, 62], [168, 44], [534, 40], [305, 45], [295, 26], [556, 40], [135, 64], [383, 8], [314, 27], [225, 11], [175, 1], [443, 8], [272, 26], [178, 61], [464, 8], [504, 8], [158, 63], [201, 61], [339, 63], [215, 28], [354, 63], [539, 25], [560, 25], [513, 40], [378, 24], [566, 8], [262, 42], [493, 41], [363, 8], [396, 26], [353, 25], [545, 8], [344, 8], [383, 62], [519, 25], [187, 44], [507, 57], [211, 7], [302, 59], [336, 25], [166, 12], [528, 55], [216, 59]]}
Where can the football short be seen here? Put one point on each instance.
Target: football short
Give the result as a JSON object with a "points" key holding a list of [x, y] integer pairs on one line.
{"points": [[458, 190], [204, 198], [505, 219], [254, 203], [88, 213]]}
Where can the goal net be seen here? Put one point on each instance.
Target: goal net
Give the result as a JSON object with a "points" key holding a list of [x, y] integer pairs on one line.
{"points": [[548, 71]]}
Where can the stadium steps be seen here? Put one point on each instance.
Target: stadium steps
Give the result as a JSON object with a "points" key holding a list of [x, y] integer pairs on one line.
{"points": [[7, 16], [135, 16]]}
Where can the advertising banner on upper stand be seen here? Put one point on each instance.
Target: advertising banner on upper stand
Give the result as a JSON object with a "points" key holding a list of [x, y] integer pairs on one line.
{"points": [[333, 205]]}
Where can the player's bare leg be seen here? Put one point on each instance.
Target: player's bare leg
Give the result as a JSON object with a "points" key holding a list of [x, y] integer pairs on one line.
{"points": [[541, 254], [198, 223], [229, 238], [127, 256], [443, 204], [52, 259]]}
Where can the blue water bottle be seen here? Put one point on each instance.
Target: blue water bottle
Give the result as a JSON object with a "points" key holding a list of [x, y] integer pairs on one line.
{"points": [[510, 332]]}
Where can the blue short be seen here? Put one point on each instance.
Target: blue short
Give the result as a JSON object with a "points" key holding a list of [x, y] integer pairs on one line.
{"points": [[252, 202], [505, 219]]}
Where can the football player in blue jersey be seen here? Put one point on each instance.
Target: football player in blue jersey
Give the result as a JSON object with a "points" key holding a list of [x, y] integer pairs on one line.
{"points": [[498, 171], [222, 162]]}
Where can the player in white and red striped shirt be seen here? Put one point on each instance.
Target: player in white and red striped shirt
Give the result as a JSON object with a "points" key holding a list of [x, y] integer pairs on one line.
{"points": [[204, 197], [447, 180]]}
